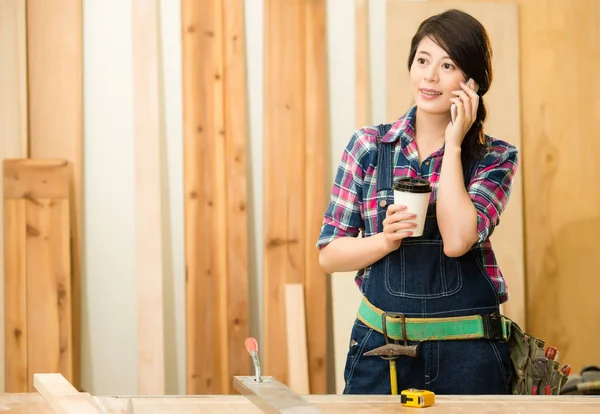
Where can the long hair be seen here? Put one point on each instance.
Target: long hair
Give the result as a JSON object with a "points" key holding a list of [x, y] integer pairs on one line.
{"points": [[466, 41]]}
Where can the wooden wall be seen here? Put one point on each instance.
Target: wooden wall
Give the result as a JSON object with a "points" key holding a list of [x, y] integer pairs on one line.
{"points": [[560, 101]]}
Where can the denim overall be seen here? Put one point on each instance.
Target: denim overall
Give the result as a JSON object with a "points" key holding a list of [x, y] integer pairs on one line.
{"points": [[418, 280]]}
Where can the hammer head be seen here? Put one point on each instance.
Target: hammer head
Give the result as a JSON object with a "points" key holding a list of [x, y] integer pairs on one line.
{"points": [[394, 351]]}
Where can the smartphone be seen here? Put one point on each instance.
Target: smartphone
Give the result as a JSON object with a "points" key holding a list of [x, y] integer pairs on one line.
{"points": [[453, 107]]}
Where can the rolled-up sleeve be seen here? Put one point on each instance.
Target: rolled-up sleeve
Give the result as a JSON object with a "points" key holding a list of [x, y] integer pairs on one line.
{"points": [[343, 216], [491, 186]]}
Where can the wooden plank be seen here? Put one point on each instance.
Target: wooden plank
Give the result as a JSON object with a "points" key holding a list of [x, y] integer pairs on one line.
{"points": [[503, 120], [13, 79], [236, 138], [315, 282], [15, 296], [363, 60], [48, 288], [284, 165], [205, 198], [62, 396], [271, 396], [149, 248], [13, 114], [295, 323], [55, 86]]}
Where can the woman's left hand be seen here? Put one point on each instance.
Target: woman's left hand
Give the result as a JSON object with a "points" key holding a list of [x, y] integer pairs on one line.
{"points": [[467, 102]]}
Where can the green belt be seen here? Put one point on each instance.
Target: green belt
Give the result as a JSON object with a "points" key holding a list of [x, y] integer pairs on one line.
{"points": [[495, 326]]}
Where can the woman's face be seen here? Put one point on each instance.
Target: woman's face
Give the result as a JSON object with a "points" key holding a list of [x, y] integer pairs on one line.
{"points": [[433, 77]]}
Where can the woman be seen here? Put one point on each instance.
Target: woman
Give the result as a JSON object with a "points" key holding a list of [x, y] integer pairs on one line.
{"points": [[448, 278]]}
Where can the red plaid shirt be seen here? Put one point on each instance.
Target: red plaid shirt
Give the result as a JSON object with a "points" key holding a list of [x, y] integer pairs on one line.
{"points": [[353, 206]]}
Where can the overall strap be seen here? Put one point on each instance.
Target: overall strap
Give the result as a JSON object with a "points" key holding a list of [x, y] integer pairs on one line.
{"points": [[385, 163]]}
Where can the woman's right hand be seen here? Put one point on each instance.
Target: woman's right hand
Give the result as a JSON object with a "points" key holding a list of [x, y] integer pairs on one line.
{"points": [[397, 227]]}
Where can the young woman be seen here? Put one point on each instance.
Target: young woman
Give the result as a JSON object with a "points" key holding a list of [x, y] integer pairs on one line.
{"points": [[444, 285]]}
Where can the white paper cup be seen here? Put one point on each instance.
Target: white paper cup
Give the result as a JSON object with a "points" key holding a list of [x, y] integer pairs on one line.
{"points": [[414, 194]]}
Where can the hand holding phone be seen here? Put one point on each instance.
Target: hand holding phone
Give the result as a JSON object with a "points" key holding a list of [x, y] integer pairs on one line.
{"points": [[474, 86]]}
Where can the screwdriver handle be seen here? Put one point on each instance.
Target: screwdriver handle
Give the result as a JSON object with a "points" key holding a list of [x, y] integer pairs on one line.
{"points": [[551, 353]]}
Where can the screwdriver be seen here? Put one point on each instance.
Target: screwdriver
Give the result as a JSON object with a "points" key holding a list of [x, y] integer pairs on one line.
{"points": [[566, 369], [551, 353], [252, 348]]}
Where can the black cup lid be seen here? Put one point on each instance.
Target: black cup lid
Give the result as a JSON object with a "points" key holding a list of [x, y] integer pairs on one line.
{"points": [[412, 185]]}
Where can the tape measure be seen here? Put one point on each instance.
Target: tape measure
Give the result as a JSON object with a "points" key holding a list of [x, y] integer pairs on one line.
{"points": [[417, 398]]}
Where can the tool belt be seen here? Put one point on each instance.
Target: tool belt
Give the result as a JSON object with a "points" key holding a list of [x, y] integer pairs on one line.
{"points": [[532, 370]]}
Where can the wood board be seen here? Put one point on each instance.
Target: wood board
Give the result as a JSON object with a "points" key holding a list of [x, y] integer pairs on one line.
{"points": [[342, 404], [504, 121], [294, 170], [148, 198], [315, 281], [55, 105], [62, 396], [236, 173], [38, 323], [215, 135], [363, 60], [295, 323], [13, 112]]}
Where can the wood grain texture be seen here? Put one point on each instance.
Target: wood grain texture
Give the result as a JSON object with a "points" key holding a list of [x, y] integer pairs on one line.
{"points": [[315, 283], [205, 197], [236, 140], [55, 104], [48, 261], [284, 178], [558, 170], [38, 271], [363, 60], [15, 296], [561, 43], [149, 240], [377, 404], [13, 109], [504, 120]]}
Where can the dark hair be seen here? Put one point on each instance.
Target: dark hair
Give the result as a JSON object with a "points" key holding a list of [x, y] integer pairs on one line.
{"points": [[466, 41]]}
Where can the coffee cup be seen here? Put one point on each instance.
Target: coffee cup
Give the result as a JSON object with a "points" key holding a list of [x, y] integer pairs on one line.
{"points": [[414, 194]]}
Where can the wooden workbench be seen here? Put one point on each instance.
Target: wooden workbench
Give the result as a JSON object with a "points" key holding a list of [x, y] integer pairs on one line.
{"points": [[34, 404]]}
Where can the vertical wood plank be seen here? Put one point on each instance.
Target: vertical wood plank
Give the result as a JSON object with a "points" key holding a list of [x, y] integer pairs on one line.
{"points": [[13, 120], [149, 249], [284, 163], [295, 321], [48, 288], [236, 137], [55, 85], [315, 284], [15, 296], [363, 60], [205, 197]]}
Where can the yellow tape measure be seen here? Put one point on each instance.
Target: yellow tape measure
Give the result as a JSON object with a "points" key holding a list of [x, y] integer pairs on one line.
{"points": [[417, 398]]}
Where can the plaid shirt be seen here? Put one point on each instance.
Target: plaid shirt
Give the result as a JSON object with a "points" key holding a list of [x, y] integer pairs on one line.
{"points": [[353, 206]]}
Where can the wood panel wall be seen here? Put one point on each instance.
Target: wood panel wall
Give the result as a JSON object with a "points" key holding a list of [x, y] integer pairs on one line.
{"points": [[55, 87], [559, 46], [216, 233], [294, 183]]}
